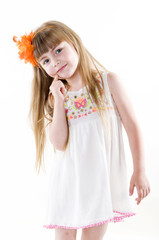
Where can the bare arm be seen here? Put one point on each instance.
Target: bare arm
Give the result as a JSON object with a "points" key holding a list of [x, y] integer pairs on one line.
{"points": [[137, 147], [129, 121], [58, 128], [131, 125]]}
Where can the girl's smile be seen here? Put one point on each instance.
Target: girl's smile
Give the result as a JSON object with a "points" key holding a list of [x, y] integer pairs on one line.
{"points": [[61, 68]]}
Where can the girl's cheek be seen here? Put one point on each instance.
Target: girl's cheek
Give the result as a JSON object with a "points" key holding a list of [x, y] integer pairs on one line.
{"points": [[48, 70], [51, 72]]}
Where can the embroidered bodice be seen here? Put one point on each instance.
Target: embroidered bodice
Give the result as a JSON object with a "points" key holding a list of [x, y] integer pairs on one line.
{"points": [[78, 105]]}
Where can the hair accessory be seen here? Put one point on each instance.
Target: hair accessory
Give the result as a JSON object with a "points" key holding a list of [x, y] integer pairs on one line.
{"points": [[26, 48], [43, 29]]}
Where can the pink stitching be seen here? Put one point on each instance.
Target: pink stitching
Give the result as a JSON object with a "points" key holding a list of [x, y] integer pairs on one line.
{"points": [[114, 219]]}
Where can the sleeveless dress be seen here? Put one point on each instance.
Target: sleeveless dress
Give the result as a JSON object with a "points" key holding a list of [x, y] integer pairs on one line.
{"points": [[88, 182]]}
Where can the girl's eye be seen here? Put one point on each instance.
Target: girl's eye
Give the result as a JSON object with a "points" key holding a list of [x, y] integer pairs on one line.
{"points": [[60, 49], [45, 61]]}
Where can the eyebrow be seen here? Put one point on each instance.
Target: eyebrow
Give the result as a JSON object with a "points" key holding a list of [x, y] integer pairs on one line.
{"points": [[40, 59]]}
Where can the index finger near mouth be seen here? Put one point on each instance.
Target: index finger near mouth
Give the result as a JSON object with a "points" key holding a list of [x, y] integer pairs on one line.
{"points": [[56, 77]]}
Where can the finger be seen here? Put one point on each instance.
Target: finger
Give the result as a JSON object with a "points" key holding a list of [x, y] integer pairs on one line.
{"points": [[54, 80], [63, 90], [56, 77], [138, 200], [140, 194], [146, 191], [140, 191], [131, 189]]}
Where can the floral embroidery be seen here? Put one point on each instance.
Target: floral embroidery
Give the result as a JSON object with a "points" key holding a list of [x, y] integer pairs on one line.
{"points": [[80, 106], [80, 102]]}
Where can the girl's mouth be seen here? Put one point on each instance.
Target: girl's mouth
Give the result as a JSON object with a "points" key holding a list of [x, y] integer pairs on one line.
{"points": [[62, 68]]}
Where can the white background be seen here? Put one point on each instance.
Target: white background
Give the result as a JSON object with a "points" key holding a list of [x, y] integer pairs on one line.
{"points": [[123, 36]]}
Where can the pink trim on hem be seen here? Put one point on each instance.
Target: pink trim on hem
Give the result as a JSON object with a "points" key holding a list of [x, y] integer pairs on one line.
{"points": [[114, 219]]}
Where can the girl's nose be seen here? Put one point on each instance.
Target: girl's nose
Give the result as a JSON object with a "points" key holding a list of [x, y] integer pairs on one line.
{"points": [[56, 63]]}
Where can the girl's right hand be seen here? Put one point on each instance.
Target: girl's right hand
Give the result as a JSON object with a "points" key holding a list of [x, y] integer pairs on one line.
{"points": [[57, 88]]}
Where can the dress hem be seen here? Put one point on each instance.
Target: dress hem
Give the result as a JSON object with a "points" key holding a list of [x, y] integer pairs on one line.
{"points": [[114, 219]]}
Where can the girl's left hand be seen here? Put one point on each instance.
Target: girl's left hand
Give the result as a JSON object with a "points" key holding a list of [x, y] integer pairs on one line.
{"points": [[140, 181]]}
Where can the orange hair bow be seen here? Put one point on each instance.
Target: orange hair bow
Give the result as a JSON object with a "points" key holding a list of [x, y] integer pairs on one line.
{"points": [[26, 48]]}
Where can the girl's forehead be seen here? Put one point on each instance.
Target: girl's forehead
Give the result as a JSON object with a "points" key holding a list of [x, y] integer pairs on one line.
{"points": [[50, 49], [53, 46]]}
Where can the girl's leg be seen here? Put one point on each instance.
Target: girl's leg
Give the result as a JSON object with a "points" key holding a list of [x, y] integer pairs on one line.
{"points": [[65, 234], [94, 233]]}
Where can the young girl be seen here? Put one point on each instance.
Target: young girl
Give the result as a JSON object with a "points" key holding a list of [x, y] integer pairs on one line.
{"points": [[84, 107]]}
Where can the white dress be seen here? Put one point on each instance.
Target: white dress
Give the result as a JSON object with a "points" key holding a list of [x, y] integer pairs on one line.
{"points": [[88, 184]]}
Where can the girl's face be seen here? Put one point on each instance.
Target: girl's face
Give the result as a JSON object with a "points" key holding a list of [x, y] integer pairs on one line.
{"points": [[63, 55]]}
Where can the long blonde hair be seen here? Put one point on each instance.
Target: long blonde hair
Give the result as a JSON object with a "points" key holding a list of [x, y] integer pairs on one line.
{"points": [[41, 106]]}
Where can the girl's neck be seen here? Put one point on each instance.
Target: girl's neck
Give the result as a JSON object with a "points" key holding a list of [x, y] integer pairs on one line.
{"points": [[75, 82]]}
